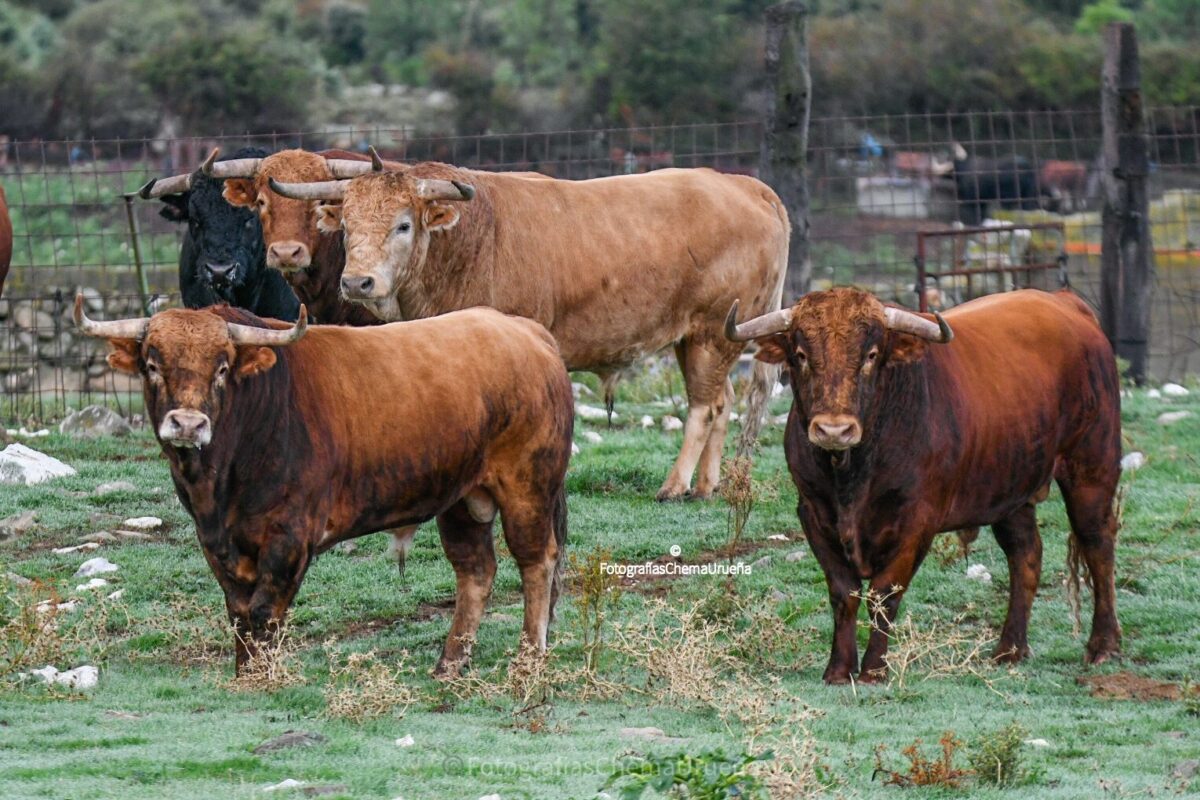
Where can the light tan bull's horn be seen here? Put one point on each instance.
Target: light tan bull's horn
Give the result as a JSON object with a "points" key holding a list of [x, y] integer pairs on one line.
{"points": [[907, 322], [269, 337], [346, 168], [230, 168], [158, 187], [435, 189], [113, 329], [766, 325], [317, 190]]}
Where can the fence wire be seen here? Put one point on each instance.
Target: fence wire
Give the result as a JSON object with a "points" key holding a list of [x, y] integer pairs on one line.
{"points": [[875, 182]]}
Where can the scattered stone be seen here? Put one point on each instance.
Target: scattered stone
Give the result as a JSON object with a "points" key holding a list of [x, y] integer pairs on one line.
{"points": [[94, 422], [1175, 390], [14, 526], [489, 797], [94, 583], [574, 449], [289, 739], [406, 740], [17, 580], [581, 390], [1186, 769], [734, 416], [1037, 743], [95, 566], [117, 595], [778, 537], [1134, 460], [123, 714], [100, 537], [145, 537], [85, 677], [780, 420], [593, 437], [650, 733], [46, 606], [591, 412], [1153, 394], [346, 548], [760, 563], [647, 421], [143, 523], [23, 465], [62, 551], [778, 596], [284, 785], [1165, 418], [324, 789], [795, 556], [978, 572], [671, 423], [113, 487]]}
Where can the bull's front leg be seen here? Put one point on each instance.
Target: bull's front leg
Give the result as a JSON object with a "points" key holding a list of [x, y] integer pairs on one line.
{"points": [[887, 590], [468, 545], [844, 587], [280, 568]]}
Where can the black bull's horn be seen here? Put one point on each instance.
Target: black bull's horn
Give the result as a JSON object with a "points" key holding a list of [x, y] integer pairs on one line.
{"points": [[239, 334], [896, 319]]}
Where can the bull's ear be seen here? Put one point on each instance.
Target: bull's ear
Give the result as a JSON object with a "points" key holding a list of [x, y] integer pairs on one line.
{"points": [[123, 355], [439, 217], [239, 192], [254, 360], [772, 349], [329, 218], [904, 348], [175, 207]]}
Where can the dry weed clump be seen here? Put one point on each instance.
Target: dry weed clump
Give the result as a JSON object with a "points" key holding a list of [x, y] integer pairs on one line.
{"points": [[599, 596], [760, 637], [923, 771], [273, 664], [191, 633], [933, 649], [361, 686], [737, 488]]}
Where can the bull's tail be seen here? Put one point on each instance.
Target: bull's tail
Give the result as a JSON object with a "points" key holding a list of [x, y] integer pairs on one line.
{"points": [[762, 381], [560, 539]]}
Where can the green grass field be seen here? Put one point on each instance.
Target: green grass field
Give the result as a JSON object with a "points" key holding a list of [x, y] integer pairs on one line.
{"points": [[164, 721]]}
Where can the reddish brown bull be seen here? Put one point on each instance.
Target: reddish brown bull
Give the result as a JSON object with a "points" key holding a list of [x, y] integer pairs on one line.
{"points": [[282, 444], [6, 239], [896, 433]]}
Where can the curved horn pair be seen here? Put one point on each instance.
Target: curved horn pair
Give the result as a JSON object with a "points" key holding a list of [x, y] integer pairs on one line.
{"points": [[896, 319], [427, 188], [239, 334]]}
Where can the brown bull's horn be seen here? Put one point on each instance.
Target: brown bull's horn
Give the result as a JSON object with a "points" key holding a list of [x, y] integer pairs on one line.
{"points": [[376, 160], [158, 187], [230, 168], [767, 324], [907, 322], [113, 329], [434, 189], [346, 168], [269, 337], [317, 190]]}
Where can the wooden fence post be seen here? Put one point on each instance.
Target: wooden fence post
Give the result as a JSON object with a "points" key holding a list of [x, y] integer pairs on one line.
{"points": [[785, 131], [1127, 253]]}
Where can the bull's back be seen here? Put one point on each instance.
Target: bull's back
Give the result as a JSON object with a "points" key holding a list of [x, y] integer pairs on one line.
{"points": [[1028, 377]]}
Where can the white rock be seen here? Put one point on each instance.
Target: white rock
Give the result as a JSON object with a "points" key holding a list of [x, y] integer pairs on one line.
{"points": [[75, 548], [780, 420], [94, 583], [778, 537], [406, 741], [671, 423], [734, 416], [1171, 417], [143, 523], [23, 465], [46, 606], [489, 797], [593, 437], [1175, 390], [591, 412], [581, 389], [85, 677], [761, 563], [284, 785], [978, 572], [647, 421], [46, 673], [574, 449], [117, 595], [115, 486], [1037, 743], [95, 566], [795, 556], [1134, 460], [1154, 394]]}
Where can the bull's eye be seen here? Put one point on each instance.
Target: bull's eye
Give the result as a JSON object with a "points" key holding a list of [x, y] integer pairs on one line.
{"points": [[222, 371], [872, 355], [802, 358], [152, 371], [404, 227]]}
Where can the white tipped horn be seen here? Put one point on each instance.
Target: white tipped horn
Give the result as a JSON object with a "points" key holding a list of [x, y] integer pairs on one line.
{"points": [[269, 337], [435, 189], [767, 324], [112, 329], [159, 187], [898, 319], [230, 168]]}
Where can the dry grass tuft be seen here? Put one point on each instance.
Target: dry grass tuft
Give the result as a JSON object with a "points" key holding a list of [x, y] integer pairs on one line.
{"points": [[273, 664], [362, 687], [599, 596], [924, 771], [193, 633]]}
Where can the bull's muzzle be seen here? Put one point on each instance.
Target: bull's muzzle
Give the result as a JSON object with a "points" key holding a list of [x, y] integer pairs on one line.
{"points": [[288, 255], [186, 428], [363, 288], [834, 431]]}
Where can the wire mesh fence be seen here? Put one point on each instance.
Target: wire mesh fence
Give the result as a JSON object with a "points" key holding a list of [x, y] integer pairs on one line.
{"points": [[875, 183]]}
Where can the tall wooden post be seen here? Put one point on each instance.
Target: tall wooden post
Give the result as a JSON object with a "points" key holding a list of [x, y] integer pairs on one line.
{"points": [[785, 132], [1127, 253]]}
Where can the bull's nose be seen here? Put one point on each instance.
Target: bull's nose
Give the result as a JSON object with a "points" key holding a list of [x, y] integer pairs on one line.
{"points": [[186, 428], [293, 255], [834, 431], [355, 286], [221, 272]]}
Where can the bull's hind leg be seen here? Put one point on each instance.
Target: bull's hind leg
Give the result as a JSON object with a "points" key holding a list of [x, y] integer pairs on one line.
{"points": [[709, 479], [1088, 492], [1018, 537], [468, 544], [529, 532], [705, 366]]}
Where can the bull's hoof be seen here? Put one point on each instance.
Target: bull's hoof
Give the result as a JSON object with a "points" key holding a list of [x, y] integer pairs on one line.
{"points": [[875, 675], [1010, 653], [697, 495], [837, 675], [1101, 650], [448, 670], [670, 494]]}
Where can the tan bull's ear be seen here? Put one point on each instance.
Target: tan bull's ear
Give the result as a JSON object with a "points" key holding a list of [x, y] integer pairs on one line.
{"points": [[904, 350], [440, 217], [123, 355], [254, 361], [329, 218], [239, 192], [772, 349]]}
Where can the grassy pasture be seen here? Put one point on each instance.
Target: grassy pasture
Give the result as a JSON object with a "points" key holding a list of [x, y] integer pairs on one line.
{"points": [[165, 723]]}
